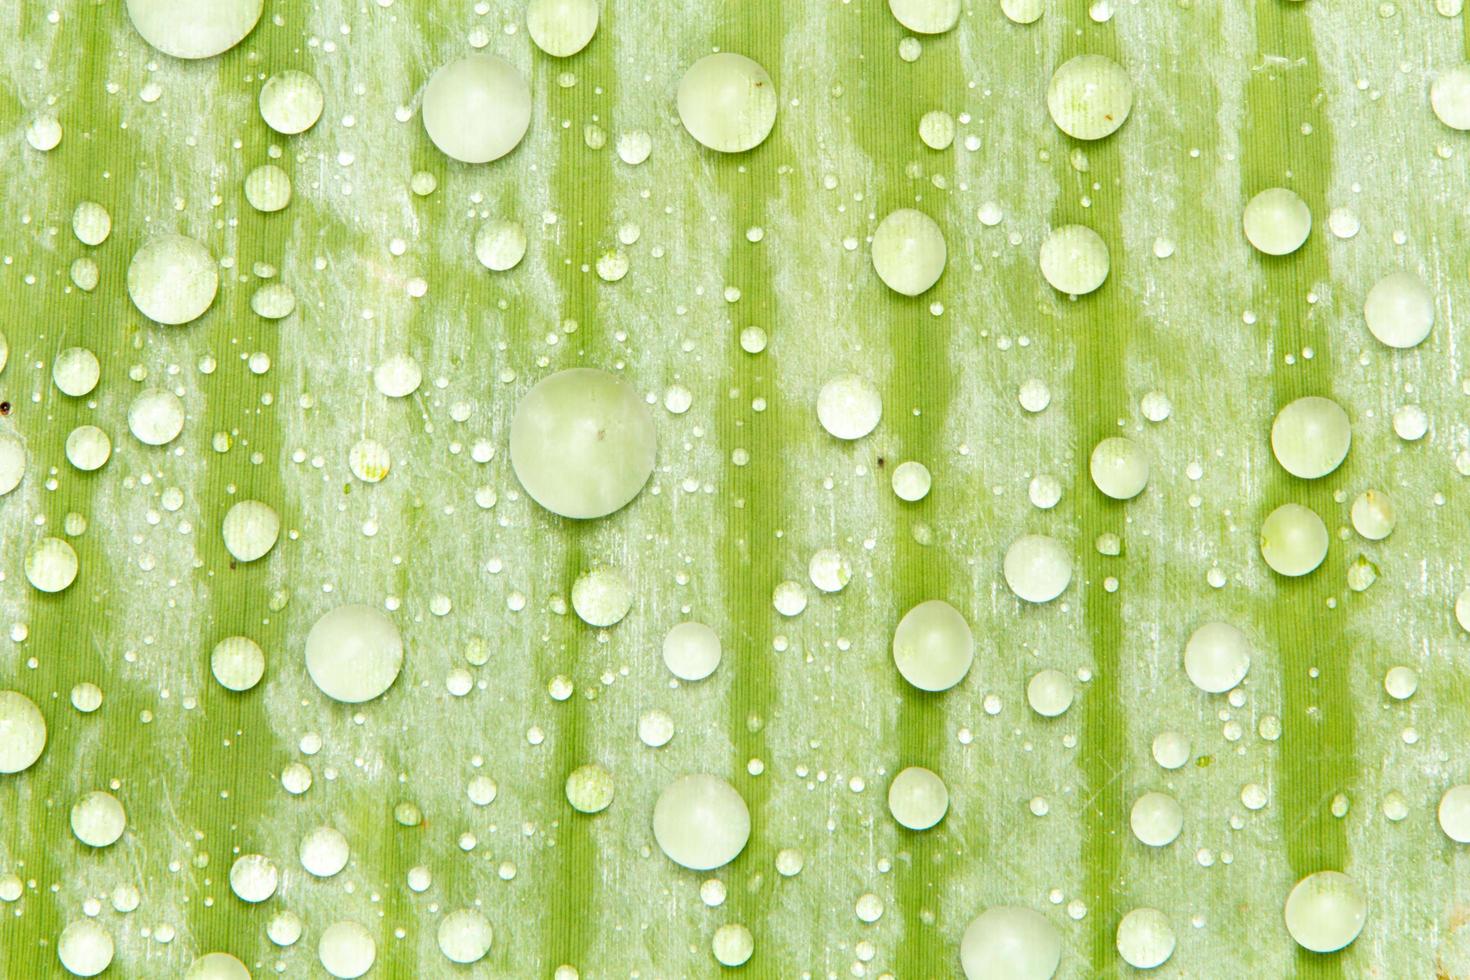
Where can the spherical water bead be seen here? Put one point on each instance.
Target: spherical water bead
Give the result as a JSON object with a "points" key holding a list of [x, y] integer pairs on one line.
{"points": [[1293, 540], [156, 417], [91, 223], [268, 188], [75, 371], [88, 448], [789, 598], [828, 570], [273, 301], [849, 406], [398, 376], [51, 565], [369, 460], [84, 948], [1074, 260], [1119, 468], [98, 819], [582, 443], [1049, 693], [1217, 657], [237, 663], [465, 936], [1399, 310], [1311, 437], [1170, 749], [918, 798], [936, 129], [1401, 682], [1156, 819], [701, 822], [217, 966], [561, 28], [1089, 97], [324, 852], [1373, 515], [1011, 942], [732, 944], [347, 950], [727, 102], [172, 279], [589, 788], [933, 647], [1462, 609], [500, 245], [194, 28], [86, 697], [1410, 423], [1454, 813], [909, 251], [1325, 911], [655, 728], [1277, 221], [22, 732], [254, 877], [353, 653], [691, 651], [911, 481], [1145, 939], [1037, 568], [250, 529], [1022, 11], [12, 462], [291, 102], [602, 597], [926, 16], [284, 928], [1449, 97], [477, 108]]}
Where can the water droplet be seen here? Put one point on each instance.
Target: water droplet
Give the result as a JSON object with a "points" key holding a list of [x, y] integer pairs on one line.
{"points": [[1311, 437], [701, 822], [933, 646], [1277, 221], [1089, 97], [354, 653], [477, 109], [909, 251], [727, 102]]}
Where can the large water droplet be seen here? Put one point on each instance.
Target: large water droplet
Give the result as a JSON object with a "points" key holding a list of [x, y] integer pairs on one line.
{"points": [[1216, 657], [1010, 942], [291, 102], [1089, 97], [1326, 911], [727, 102], [1037, 567], [22, 732], [933, 647], [477, 109], [465, 936], [1293, 540], [354, 653], [1277, 221], [701, 822], [926, 16], [194, 28], [909, 251], [1399, 310], [1311, 437], [561, 28], [918, 798], [1074, 259], [172, 279], [582, 443]]}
